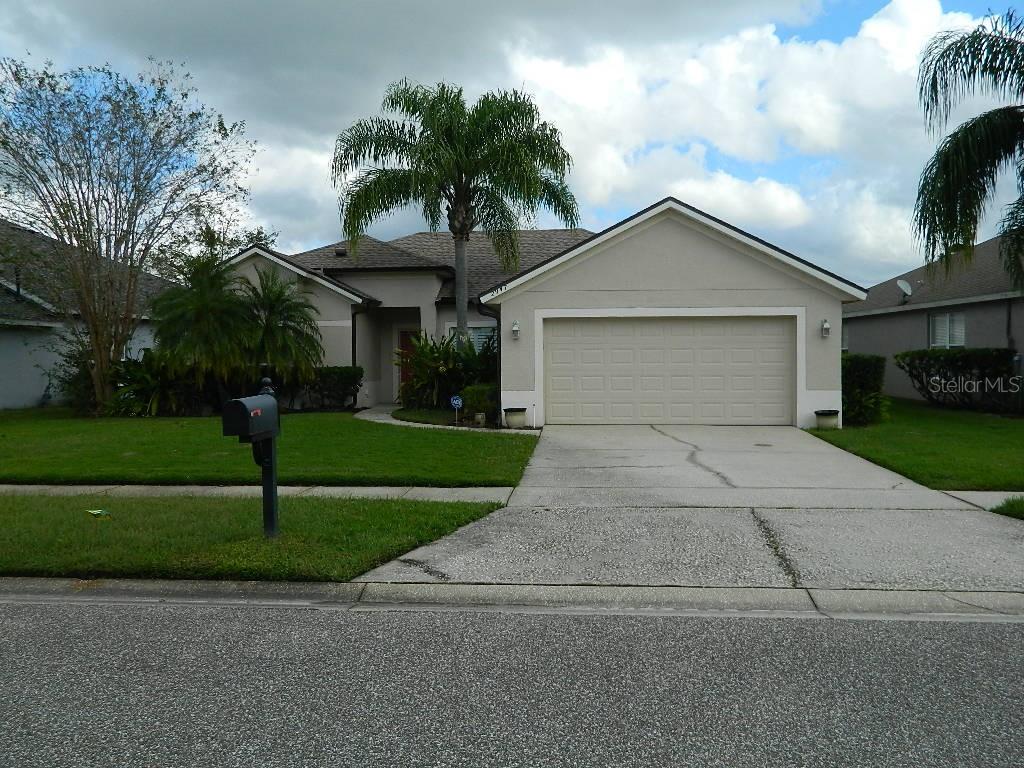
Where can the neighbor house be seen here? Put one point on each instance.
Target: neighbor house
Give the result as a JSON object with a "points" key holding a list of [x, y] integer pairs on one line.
{"points": [[670, 316], [972, 305], [32, 327]]}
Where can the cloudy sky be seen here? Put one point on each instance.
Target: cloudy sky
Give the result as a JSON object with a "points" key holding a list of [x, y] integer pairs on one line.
{"points": [[795, 119]]}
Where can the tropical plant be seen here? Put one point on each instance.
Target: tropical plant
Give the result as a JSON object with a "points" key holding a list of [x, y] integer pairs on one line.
{"points": [[203, 322], [336, 385], [152, 386], [489, 166], [863, 378], [433, 369], [284, 333], [959, 181], [114, 169]]}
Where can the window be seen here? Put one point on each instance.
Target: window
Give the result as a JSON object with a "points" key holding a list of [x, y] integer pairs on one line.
{"points": [[844, 338], [478, 332], [946, 330]]}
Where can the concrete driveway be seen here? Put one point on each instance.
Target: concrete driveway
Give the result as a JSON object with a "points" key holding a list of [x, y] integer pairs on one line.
{"points": [[720, 506]]}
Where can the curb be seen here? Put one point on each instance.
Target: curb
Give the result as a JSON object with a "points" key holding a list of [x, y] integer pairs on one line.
{"points": [[949, 605]]}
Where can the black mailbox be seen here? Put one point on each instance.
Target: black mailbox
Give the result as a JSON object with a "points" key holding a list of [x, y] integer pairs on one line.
{"points": [[251, 419]]}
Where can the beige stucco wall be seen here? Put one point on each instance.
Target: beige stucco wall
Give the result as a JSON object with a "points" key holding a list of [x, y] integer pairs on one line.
{"points": [[670, 261], [402, 289], [334, 311]]}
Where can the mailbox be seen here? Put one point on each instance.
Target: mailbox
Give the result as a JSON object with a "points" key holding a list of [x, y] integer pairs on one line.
{"points": [[251, 419], [255, 420]]}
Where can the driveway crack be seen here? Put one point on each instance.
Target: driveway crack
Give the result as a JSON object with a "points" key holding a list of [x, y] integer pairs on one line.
{"points": [[425, 567], [771, 539], [692, 458]]}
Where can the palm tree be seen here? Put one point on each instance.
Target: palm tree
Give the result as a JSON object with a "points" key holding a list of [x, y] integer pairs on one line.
{"points": [[490, 165], [959, 181], [200, 321], [284, 331]]}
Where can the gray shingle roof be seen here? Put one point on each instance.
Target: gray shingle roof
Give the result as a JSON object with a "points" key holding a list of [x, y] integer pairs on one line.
{"points": [[317, 272], [372, 254], [41, 273], [18, 309], [483, 269], [984, 276]]}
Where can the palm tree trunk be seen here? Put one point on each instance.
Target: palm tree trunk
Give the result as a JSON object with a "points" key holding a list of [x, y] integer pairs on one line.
{"points": [[461, 292]]}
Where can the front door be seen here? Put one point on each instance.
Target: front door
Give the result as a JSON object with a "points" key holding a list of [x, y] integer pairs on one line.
{"points": [[405, 345]]}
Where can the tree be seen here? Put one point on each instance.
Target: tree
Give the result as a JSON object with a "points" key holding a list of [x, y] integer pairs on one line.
{"points": [[491, 165], [203, 322], [284, 331], [959, 181], [116, 170]]}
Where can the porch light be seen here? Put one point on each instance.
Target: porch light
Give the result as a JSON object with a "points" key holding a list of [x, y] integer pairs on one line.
{"points": [[515, 329], [826, 329]]}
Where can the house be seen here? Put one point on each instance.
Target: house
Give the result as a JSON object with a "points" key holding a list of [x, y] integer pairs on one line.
{"points": [[31, 325], [670, 316], [970, 306]]}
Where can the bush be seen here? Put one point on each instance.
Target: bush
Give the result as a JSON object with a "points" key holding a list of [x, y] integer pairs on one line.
{"points": [[72, 376], [863, 377], [481, 398], [153, 386], [979, 379], [435, 372], [336, 385]]}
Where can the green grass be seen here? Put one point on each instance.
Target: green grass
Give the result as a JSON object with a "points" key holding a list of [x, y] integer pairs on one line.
{"points": [[942, 449], [216, 538], [1012, 508], [52, 446]]}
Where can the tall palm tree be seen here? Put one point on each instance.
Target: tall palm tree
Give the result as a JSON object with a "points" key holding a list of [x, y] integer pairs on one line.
{"points": [[490, 165], [284, 331], [959, 181]]}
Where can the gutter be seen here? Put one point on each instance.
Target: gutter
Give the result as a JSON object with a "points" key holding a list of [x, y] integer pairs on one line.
{"points": [[489, 311], [933, 304]]}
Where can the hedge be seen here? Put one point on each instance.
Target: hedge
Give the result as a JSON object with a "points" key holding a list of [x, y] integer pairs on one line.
{"points": [[481, 398], [335, 385], [982, 378], [863, 377]]}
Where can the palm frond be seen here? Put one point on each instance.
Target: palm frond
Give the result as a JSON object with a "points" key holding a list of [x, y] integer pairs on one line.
{"points": [[500, 224], [377, 140], [959, 181], [374, 193], [1011, 241], [960, 63]]}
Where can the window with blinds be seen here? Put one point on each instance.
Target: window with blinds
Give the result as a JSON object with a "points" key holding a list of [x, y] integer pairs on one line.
{"points": [[478, 334], [946, 330]]}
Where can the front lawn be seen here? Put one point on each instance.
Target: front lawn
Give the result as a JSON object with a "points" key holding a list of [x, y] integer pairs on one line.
{"points": [[216, 538], [942, 449], [1012, 508], [52, 446]]}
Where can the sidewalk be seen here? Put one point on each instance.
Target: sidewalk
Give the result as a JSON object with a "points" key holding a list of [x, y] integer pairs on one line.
{"points": [[420, 493], [381, 414]]}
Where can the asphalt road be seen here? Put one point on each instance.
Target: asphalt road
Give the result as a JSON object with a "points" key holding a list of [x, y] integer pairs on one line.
{"points": [[178, 685]]}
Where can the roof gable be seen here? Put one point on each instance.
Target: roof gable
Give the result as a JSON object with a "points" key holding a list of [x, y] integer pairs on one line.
{"points": [[352, 294], [848, 290]]}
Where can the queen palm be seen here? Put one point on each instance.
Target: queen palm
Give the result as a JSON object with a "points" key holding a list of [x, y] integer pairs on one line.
{"points": [[490, 166], [283, 326], [959, 181]]}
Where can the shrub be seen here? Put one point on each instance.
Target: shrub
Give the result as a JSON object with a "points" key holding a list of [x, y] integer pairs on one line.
{"points": [[863, 377], [153, 386], [481, 398], [73, 378], [435, 372], [336, 385], [481, 366], [978, 378]]}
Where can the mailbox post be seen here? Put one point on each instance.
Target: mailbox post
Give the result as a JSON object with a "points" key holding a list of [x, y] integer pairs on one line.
{"points": [[257, 420]]}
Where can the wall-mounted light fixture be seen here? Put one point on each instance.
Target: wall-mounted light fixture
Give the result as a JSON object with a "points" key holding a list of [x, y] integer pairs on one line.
{"points": [[826, 329], [515, 329]]}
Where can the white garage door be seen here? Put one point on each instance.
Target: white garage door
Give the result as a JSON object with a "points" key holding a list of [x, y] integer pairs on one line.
{"points": [[669, 370]]}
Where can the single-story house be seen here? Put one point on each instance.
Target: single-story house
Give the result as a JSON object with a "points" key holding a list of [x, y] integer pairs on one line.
{"points": [[31, 326], [972, 305], [669, 316]]}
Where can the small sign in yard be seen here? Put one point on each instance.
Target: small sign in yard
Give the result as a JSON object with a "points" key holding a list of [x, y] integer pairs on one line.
{"points": [[456, 404]]}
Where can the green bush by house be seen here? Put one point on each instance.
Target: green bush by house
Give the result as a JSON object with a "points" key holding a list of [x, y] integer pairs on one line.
{"points": [[336, 386], [863, 377], [436, 369], [978, 379], [481, 398]]}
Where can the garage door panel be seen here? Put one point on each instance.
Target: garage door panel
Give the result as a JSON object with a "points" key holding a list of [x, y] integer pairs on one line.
{"points": [[670, 370]]}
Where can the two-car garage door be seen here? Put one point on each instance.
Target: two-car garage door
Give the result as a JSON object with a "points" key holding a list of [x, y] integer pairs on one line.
{"points": [[669, 370]]}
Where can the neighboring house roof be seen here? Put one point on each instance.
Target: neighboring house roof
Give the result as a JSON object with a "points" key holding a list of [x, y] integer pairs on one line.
{"points": [[371, 255], [31, 267], [17, 309], [317, 276], [483, 268], [984, 279], [844, 286]]}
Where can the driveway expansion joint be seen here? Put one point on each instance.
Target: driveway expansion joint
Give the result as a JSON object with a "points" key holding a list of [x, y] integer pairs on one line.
{"points": [[772, 541]]}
